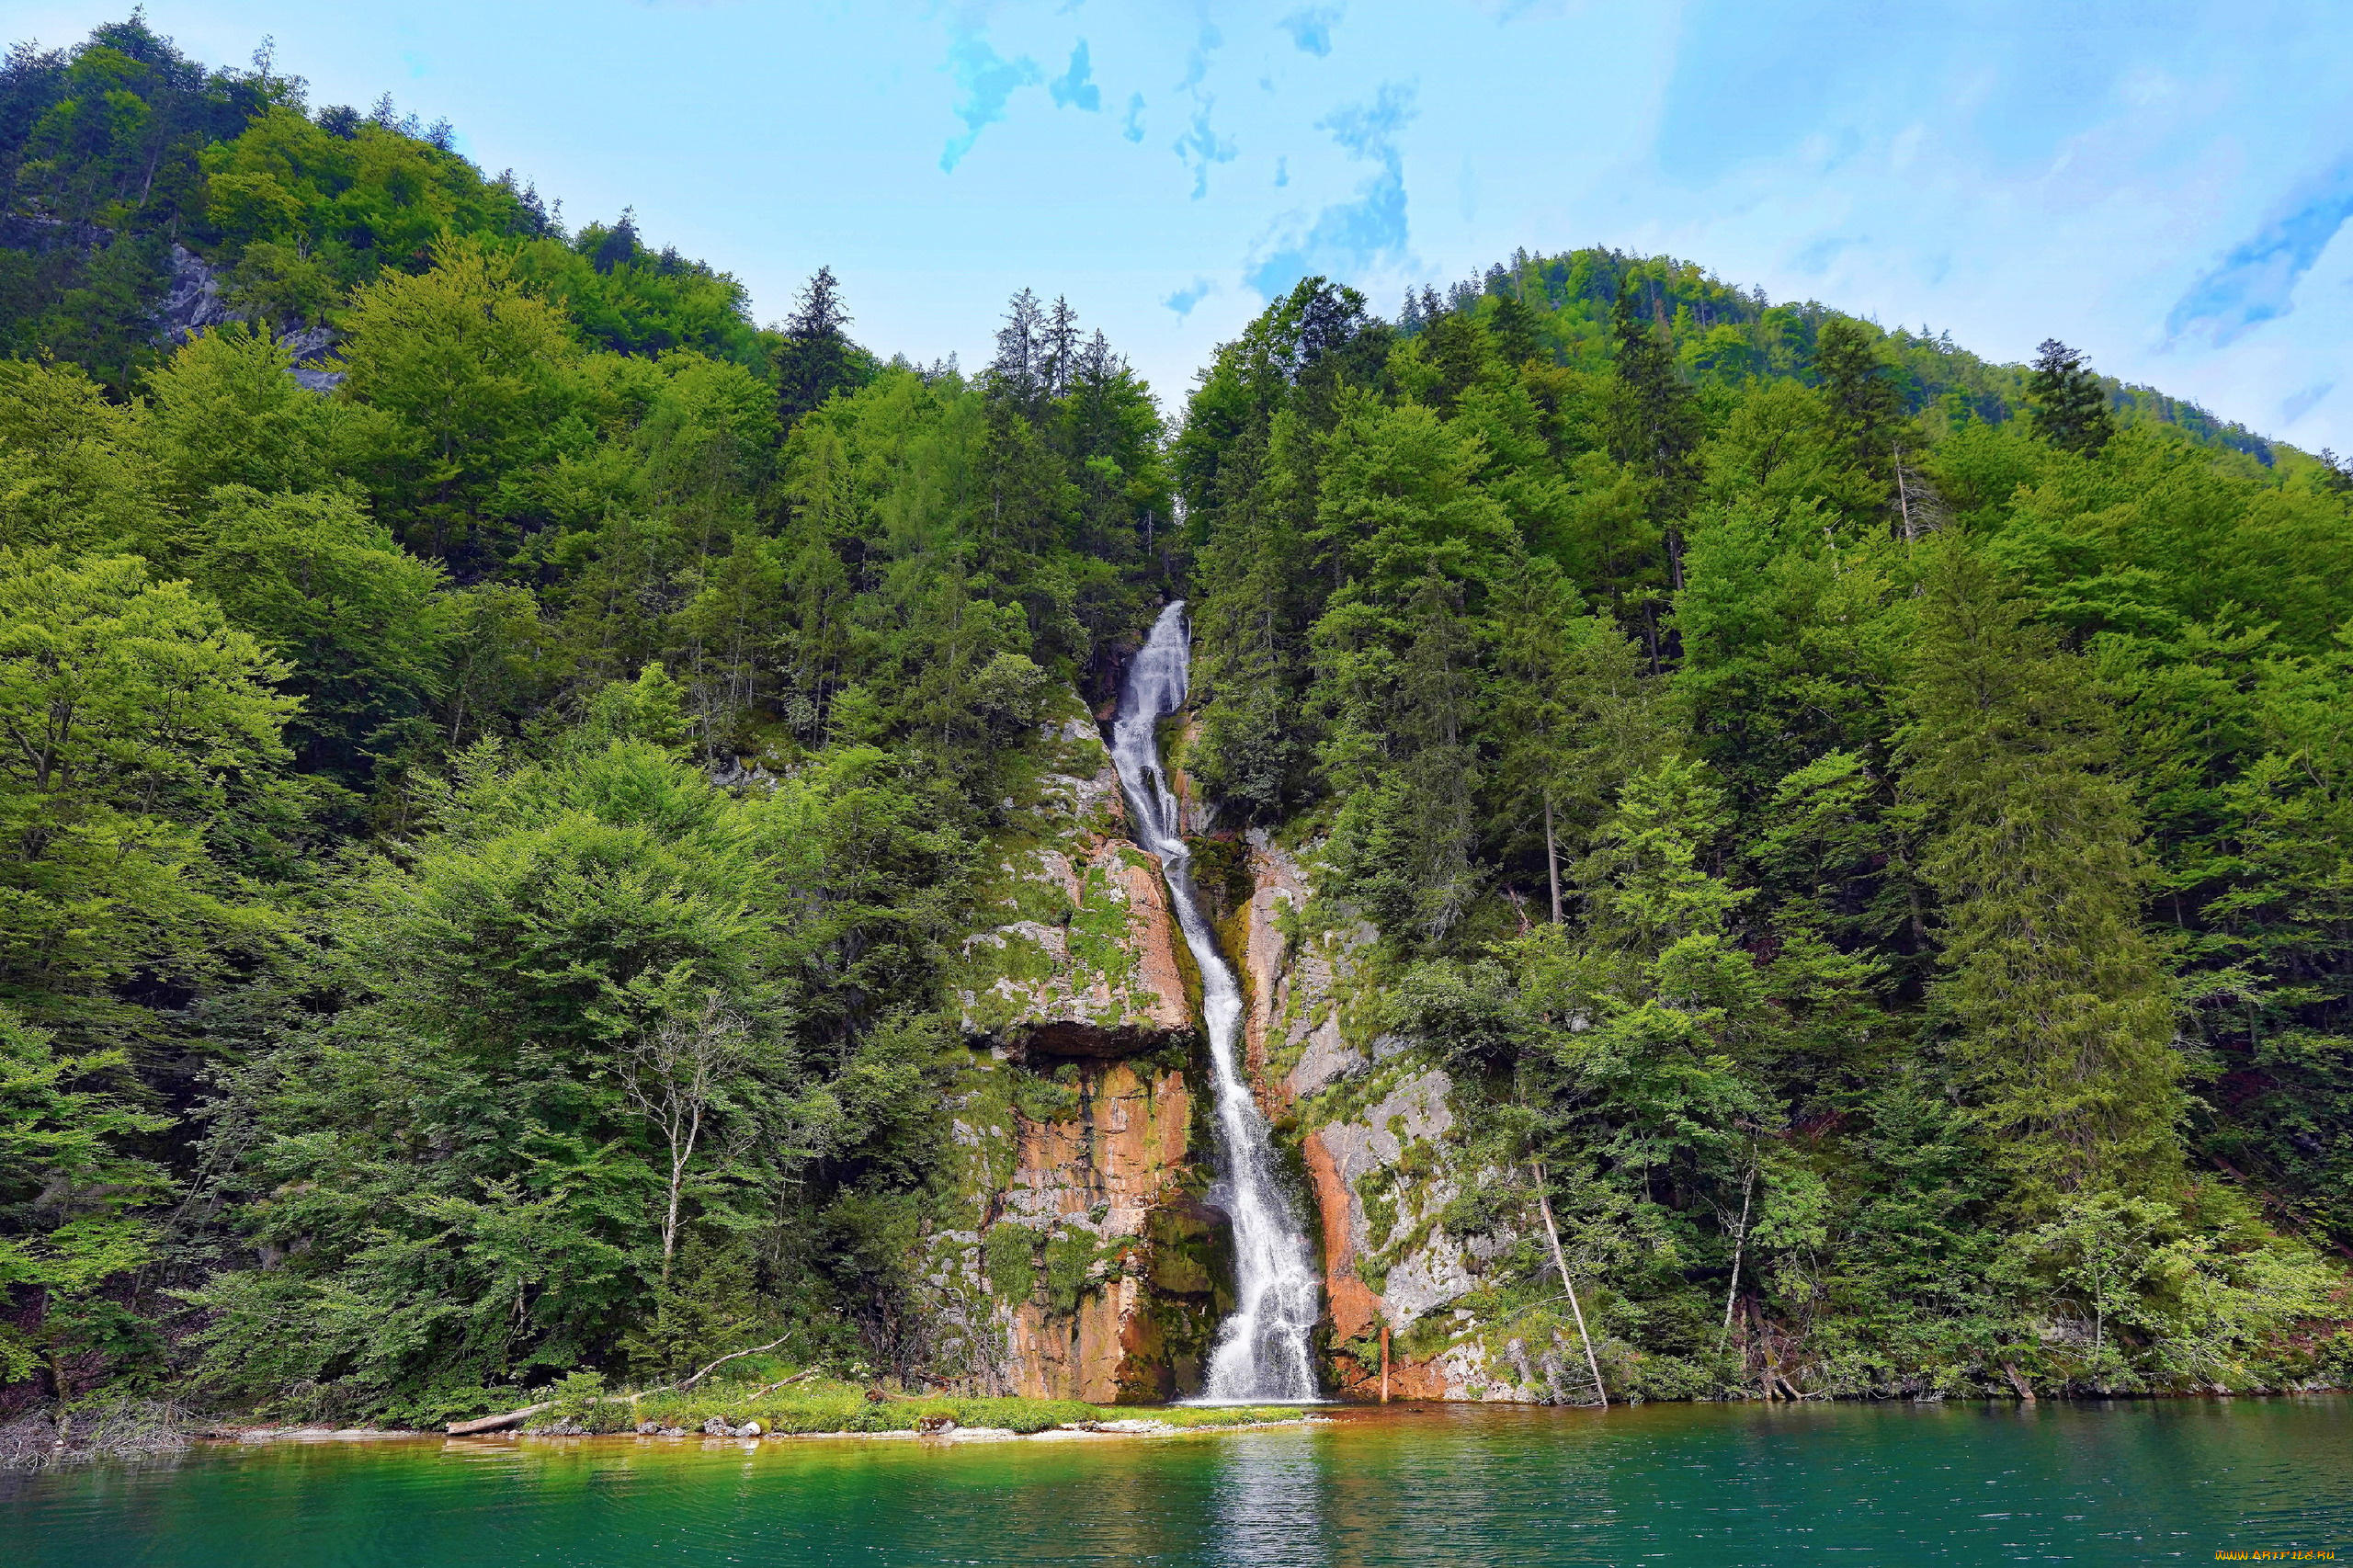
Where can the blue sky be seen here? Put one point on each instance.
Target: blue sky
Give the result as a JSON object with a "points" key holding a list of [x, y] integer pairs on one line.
{"points": [[2165, 184]]}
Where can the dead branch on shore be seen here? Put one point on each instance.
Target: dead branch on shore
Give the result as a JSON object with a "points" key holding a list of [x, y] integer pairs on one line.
{"points": [[1552, 1232], [106, 1428], [497, 1423], [516, 1418]]}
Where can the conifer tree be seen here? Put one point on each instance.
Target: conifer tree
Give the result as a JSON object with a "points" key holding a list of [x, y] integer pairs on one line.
{"points": [[1866, 412], [1654, 426], [618, 247], [816, 358], [2056, 996], [1060, 349], [1514, 330], [1458, 347], [1253, 576], [2070, 405], [1571, 715], [1021, 350]]}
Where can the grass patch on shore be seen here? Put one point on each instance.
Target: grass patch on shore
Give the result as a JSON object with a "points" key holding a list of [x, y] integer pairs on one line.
{"points": [[836, 1406]]}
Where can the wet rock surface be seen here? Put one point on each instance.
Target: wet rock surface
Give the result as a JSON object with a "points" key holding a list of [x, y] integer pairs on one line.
{"points": [[1082, 961], [1372, 1120], [1077, 1260]]}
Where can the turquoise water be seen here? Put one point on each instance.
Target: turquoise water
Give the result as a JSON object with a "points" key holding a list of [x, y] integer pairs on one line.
{"points": [[2176, 1481]]}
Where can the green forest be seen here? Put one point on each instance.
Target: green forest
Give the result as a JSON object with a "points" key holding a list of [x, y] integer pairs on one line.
{"points": [[497, 750]]}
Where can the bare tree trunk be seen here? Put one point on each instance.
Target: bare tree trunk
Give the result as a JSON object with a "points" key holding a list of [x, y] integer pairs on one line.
{"points": [[1552, 856], [1553, 1234], [680, 1153], [673, 1078], [685, 1384], [1904, 499], [497, 1423], [1739, 1243]]}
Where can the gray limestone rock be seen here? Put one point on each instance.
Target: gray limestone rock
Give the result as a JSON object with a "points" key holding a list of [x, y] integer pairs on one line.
{"points": [[192, 302]]}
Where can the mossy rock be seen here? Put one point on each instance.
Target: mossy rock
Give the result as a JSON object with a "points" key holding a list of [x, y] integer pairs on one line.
{"points": [[1220, 870], [1184, 1248]]}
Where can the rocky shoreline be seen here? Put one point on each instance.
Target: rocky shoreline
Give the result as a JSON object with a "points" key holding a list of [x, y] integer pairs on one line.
{"points": [[750, 1431]]}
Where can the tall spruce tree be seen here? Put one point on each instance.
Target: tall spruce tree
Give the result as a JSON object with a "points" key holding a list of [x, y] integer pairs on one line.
{"points": [[816, 358], [1865, 410], [2057, 999], [1654, 424], [2070, 405], [1513, 326], [1020, 370], [1059, 359]]}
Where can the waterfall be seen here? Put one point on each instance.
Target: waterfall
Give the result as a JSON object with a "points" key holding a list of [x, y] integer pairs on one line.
{"points": [[1261, 1350]]}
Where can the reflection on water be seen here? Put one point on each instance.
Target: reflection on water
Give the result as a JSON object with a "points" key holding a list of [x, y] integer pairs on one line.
{"points": [[1267, 1505], [1375, 1489]]}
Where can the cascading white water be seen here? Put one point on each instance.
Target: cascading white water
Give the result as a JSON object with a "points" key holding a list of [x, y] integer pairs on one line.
{"points": [[1262, 1349]]}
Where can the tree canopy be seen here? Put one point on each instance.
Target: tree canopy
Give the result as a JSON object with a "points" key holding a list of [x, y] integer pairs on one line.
{"points": [[500, 755]]}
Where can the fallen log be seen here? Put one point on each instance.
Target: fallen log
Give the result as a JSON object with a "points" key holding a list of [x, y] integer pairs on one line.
{"points": [[516, 1418], [732, 1355], [497, 1423]]}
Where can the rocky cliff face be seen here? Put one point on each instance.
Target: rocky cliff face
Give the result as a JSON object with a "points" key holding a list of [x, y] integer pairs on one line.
{"points": [[192, 304], [191, 301], [1077, 1256], [1371, 1117], [1086, 962], [1078, 1260]]}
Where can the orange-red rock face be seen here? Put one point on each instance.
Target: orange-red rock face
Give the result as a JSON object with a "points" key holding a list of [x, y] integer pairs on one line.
{"points": [[1080, 957], [1081, 1164], [1364, 1113], [1152, 926], [1355, 1309], [1115, 1177], [1124, 1152]]}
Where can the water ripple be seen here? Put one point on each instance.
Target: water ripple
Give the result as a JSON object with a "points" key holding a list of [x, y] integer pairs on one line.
{"points": [[1407, 1487]]}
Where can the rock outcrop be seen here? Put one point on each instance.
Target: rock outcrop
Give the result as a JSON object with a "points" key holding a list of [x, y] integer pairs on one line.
{"points": [[1088, 963], [1091, 1243], [1372, 1119], [317, 361], [191, 301], [1078, 1256], [1079, 1260]]}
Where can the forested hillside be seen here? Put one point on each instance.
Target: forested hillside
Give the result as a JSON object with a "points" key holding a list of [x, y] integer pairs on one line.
{"points": [[484, 823], [374, 881], [1869, 824]]}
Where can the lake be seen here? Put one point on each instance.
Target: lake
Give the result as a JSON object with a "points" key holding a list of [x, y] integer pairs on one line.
{"points": [[1668, 1485]]}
